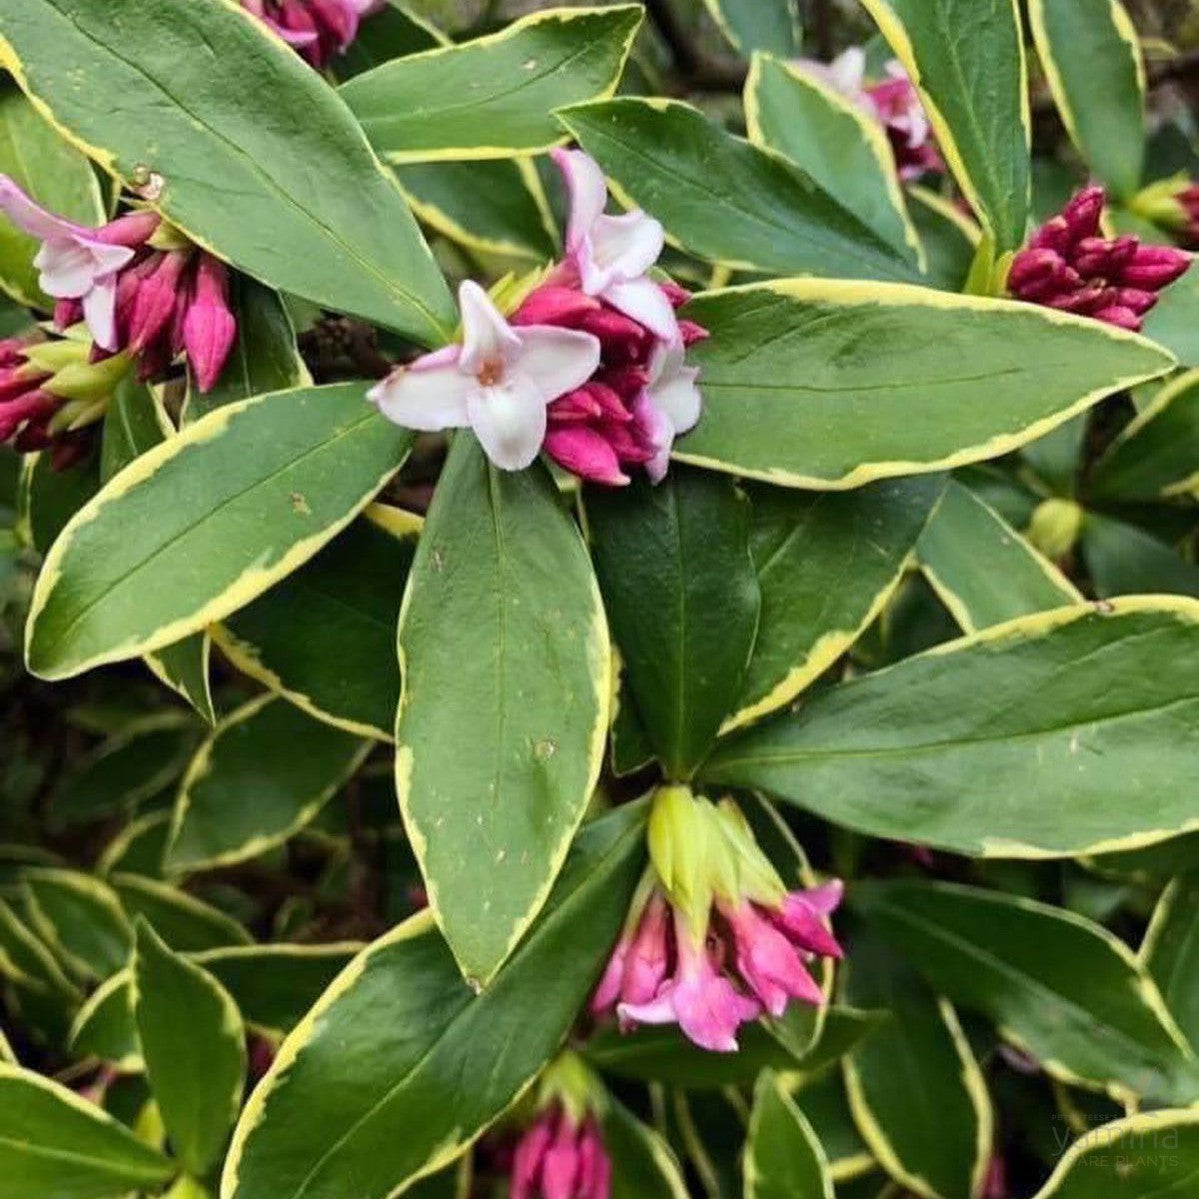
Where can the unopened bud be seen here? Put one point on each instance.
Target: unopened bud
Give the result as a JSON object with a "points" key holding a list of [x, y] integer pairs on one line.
{"points": [[1055, 527]]}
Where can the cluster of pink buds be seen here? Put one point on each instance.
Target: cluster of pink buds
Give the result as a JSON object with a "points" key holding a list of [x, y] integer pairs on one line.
{"points": [[591, 366], [140, 285], [714, 938], [561, 1155], [51, 394], [318, 29], [893, 102], [1071, 266]]}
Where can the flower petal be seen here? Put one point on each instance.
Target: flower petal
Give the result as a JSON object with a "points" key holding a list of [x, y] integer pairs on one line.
{"points": [[680, 399], [486, 335], [645, 302], [66, 268], [509, 420], [587, 190], [30, 216], [621, 248], [557, 360], [99, 310], [426, 396]]}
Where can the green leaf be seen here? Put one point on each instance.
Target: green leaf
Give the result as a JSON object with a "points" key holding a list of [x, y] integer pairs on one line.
{"points": [[749, 25], [825, 384], [138, 847], [26, 960], [824, 1102], [206, 522], [124, 771], [967, 59], [949, 238], [81, 918], [1092, 60], [916, 1091], [282, 183], [500, 732], [682, 596], [982, 570], [1123, 559], [105, 1026], [1154, 1155], [491, 207], [1170, 952], [6, 1050], [264, 356], [55, 174], [724, 199], [842, 148], [1174, 320], [185, 923], [56, 1143], [494, 96], [343, 669], [136, 422], [826, 564], [1065, 990], [643, 1164], [400, 1041], [272, 985], [1156, 455], [264, 773], [783, 1159], [48, 498], [194, 1047], [1092, 704], [664, 1055]]}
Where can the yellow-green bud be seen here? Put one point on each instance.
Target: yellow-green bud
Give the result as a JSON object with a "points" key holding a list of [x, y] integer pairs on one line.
{"points": [[1055, 527], [90, 381], [680, 836], [1158, 203]]}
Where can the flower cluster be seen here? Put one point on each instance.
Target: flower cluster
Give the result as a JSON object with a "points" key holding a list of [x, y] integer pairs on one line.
{"points": [[1071, 266], [894, 102], [561, 1155], [591, 367], [714, 938], [50, 394], [138, 283], [318, 29]]}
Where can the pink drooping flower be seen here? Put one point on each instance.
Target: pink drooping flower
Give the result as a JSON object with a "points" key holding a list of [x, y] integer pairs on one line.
{"points": [[893, 101], [319, 30], [1071, 266], [714, 939], [157, 303], [561, 1157], [51, 396]]}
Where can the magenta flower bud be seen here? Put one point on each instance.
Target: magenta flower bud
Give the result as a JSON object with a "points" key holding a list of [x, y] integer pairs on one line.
{"points": [[1038, 273], [1096, 256], [551, 304], [678, 296], [1155, 267], [209, 327], [561, 1158], [1121, 317], [132, 230], [155, 298], [768, 961], [67, 313], [803, 915], [1135, 299], [1084, 212], [31, 407], [692, 333], [12, 352], [648, 958], [585, 452]]}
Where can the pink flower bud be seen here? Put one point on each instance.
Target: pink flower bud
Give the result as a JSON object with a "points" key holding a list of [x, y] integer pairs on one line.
{"points": [[551, 304], [155, 298], [1084, 212], [585, 452], [209, 327], [132, 230], [1155, 267]]}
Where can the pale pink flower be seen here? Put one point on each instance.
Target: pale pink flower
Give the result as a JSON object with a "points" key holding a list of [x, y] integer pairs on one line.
{"points": [[498, 382]]}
